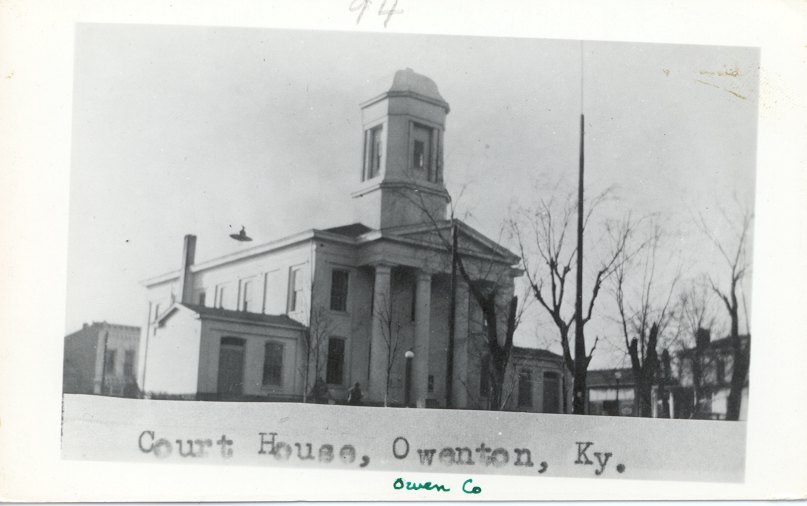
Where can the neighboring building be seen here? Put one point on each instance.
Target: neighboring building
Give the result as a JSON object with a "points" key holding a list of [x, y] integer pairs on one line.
{"points": [[697, 388], [538, 381], [704, 374], [101, 359], [610, 392], [238, 326]]}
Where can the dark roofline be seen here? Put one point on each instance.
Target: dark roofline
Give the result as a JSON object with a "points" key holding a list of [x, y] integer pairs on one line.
{"points": [[727, 340], [244, 316], [606, 377], [536, 352], [723, 342], [98, 325], [351, 230]]}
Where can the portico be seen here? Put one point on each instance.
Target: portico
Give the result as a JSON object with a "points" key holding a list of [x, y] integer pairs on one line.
{"points": [[388, 332]]}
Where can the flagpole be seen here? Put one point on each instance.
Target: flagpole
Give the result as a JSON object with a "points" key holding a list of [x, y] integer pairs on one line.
{"points": [[578, 403]]}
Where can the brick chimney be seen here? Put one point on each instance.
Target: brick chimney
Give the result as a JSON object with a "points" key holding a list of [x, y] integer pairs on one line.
{"points": [[185, 276], [703, 337]]}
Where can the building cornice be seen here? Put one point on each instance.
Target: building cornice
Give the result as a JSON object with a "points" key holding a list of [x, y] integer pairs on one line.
{"points": [[206, 316], [162, 278], [239, 321], [286, 242], [391, 237], [405, 94]]}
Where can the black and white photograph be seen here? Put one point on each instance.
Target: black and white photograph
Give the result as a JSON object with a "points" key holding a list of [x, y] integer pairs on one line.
{"points": [[381, 221], [442, 256]]}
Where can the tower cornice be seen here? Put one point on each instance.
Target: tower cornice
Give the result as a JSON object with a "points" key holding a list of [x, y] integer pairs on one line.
{"points": [[427, 187], [406, 94]]}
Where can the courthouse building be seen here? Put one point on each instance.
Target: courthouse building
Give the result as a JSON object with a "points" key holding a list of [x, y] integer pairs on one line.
{"points": [[345, 304]]}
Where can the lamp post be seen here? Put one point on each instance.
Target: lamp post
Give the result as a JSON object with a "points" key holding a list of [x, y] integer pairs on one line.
{"points": [[618, 376], [408, 379]]}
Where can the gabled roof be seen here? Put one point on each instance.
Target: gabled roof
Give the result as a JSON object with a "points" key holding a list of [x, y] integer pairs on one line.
{"points": [[718, 344], [98, 326], [534, 353], [235, 316], [408, 83], [474, 241], [352, 230], [607, 377]]}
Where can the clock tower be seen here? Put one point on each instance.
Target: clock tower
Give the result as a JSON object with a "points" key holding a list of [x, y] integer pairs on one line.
{"points": [[402, 164]]}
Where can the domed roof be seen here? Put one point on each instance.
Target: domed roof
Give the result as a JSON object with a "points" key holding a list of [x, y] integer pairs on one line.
{"points": [[409, 80], [405, 82]]}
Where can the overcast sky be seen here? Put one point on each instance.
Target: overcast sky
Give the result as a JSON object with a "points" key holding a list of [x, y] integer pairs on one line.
{"points": [[199, 130]]}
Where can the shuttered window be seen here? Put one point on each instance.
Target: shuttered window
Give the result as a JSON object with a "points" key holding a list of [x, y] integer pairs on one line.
{"points": [[334, 374]]}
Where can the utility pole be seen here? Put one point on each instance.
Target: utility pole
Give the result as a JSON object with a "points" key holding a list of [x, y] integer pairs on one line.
{"points": [[578, 403], [452, 314]]}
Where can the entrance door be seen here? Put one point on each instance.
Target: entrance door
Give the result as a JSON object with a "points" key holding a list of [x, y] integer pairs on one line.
{"points": [[551, 392], [231, 367]]}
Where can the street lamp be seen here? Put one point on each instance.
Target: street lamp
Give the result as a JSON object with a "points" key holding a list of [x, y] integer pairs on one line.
{"points": [[618, 376], [408, 380]]}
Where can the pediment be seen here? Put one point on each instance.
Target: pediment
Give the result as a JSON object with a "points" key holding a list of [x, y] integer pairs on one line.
{"points": [[470, 241]]}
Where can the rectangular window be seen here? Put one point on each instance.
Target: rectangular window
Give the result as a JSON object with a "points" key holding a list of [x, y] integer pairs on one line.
{"points": [[484, 378], [372, 152], [273, 364], [221, 292], [202, 296], [339, 284], [296, 295], [721, 370], [438, 172], [334, 374], [422, 148], [476, 317], [248, 296], [420, 155], [525, 388], [728, 368], [109, 362], [128, 363], [431, 383]]}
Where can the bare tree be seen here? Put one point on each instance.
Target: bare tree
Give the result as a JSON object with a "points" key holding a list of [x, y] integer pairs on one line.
{"points": [[482, 394], [319, 329], [392, 326], [498, 351], [488, 288], [645, 316], [697, 319], [738, 264], [550, 226]]}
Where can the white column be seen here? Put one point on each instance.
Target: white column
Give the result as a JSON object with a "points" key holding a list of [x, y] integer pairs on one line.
{"points": [[378, 345], [461, 382], [420, 367]]}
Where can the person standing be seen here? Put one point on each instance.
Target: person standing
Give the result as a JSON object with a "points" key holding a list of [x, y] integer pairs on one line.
{"points": [[320, 392], [354, 395]]}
